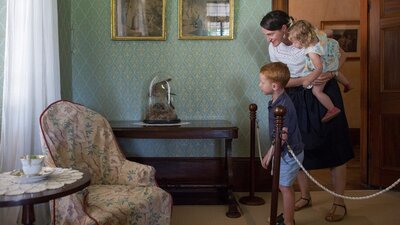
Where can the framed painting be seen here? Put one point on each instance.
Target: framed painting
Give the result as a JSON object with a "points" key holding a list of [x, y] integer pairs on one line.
{"points": [[138, 20], [347, 33], [206, 19]]}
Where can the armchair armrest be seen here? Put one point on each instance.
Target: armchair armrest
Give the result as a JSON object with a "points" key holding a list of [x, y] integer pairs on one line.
{"points": [[136, 174]]}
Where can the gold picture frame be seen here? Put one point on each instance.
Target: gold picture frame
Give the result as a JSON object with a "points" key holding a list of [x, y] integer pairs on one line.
{"points": [[133, 20], [206, 19], [347, 33]]}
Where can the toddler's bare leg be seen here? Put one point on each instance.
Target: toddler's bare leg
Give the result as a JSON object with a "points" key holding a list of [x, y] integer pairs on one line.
{"points": [[324, 99], [341, 78]]}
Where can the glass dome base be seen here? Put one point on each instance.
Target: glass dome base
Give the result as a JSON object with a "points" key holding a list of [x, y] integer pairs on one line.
{"points": [[162, 121]]}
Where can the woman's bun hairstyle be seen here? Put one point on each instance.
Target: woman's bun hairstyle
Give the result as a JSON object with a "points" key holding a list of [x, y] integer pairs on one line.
{"points": [[275, 19]]}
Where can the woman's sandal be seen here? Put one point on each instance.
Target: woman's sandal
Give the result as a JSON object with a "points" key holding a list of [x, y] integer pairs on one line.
{"points": [[332, 217], [307, 204]]}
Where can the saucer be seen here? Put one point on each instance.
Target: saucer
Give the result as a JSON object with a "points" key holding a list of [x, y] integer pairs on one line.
{"points": [[21, 178]]}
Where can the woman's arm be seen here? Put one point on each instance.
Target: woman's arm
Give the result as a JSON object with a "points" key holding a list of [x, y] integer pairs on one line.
{"points": [[324, 77], [294, 82], [312, 78]]}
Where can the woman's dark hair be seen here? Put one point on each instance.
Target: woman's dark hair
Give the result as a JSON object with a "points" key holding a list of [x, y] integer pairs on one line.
{"points": [[274, 20]]}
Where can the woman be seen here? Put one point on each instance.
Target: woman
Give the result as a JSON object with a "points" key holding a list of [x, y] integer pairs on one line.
{"points": [[327, 145]]}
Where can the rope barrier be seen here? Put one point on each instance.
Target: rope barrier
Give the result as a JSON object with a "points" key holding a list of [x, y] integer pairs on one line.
{"points": [[319, 184]]}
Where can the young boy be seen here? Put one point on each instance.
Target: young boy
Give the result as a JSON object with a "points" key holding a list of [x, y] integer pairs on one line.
{"points": [[273, 79]]}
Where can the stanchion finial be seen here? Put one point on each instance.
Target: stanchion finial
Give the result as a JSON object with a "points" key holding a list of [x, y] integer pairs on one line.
{"points": [[253, 107], [279, 111]]}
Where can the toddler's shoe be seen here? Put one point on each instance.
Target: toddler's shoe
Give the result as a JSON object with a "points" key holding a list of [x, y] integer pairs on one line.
{"points": [[331, 114]]}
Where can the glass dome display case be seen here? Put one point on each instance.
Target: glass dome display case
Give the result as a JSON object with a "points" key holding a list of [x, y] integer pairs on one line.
{"points": [[160, 109]]}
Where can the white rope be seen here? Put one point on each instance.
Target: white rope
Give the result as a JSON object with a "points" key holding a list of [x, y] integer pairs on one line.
{"points": [[320, 185], [335, 194]]}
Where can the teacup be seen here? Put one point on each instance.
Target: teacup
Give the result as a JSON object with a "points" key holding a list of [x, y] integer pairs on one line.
{"points": [[32, 164]]}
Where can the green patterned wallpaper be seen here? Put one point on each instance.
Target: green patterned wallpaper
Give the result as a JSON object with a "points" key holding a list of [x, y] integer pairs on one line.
{"points": [[212, 79], [64, 35]]}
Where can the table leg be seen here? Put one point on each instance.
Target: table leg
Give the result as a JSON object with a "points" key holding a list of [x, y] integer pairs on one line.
{"points": [[28, 214], [233, 211]]}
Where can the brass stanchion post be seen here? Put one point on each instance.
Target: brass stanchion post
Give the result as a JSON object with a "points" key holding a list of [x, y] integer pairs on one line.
{"points": [[251, 199], [279, 112]]}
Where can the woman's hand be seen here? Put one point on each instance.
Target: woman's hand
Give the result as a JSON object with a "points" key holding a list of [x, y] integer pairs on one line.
{"points": [[323, 78], [307, 83]]}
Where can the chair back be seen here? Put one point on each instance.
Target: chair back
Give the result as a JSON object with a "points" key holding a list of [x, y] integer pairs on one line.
{"points": [[74, 136]]}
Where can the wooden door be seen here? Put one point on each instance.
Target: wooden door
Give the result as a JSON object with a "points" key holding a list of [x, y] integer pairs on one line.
{"points": [[383, 88]]}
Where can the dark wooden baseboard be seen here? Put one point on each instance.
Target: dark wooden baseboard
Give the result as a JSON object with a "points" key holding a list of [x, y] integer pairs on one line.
{"points": [[179, 173], [185, 172]]}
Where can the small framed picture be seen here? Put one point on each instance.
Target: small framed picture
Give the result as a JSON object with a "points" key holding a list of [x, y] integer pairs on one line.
{"points": [[138, 20], [205, 19], [347, 33]]}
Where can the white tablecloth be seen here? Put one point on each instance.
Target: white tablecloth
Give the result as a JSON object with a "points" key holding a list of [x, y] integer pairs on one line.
{"points": [[11, 184]]}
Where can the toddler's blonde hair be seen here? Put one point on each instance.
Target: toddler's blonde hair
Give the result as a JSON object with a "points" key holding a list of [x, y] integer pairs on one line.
{"points": [[304, 32]]}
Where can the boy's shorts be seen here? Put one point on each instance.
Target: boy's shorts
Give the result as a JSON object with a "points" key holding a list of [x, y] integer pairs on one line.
{"points": [[289, 169]]}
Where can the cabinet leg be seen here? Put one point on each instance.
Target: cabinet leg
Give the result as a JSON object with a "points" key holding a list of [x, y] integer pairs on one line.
{"points": [[233, 210]]}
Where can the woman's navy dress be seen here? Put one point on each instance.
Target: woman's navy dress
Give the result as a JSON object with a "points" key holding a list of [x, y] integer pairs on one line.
{"points": [[326, 144]]}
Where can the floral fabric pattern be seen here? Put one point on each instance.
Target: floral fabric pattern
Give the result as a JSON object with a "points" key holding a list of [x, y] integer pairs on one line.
{"points": [[121, 191]]}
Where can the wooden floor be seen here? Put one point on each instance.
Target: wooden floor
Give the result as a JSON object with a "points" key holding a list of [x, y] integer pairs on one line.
{"points": [[353, 176]]}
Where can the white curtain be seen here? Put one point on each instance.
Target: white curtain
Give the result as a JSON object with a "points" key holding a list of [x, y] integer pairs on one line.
{"points": [[31, 82]]}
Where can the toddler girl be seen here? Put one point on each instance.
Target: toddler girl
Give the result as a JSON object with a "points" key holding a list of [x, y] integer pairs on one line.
{"points": [[322, 55]]}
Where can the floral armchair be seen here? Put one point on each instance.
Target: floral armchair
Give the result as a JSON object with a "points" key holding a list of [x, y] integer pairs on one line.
{"points": [[121, 191]]}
